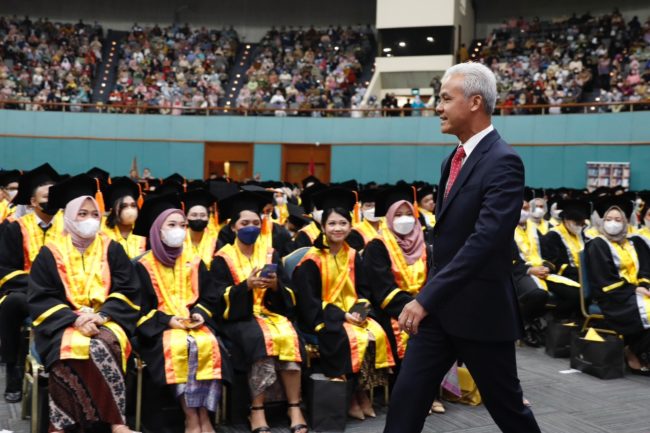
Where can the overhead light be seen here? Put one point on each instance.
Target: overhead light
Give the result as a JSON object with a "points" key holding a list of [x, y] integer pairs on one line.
{"points": [[430, 39], [238, 75], [389, 55], [479, 44], [248, 47], [336, 48], [402, 44], [227, 102], [387, 50]]}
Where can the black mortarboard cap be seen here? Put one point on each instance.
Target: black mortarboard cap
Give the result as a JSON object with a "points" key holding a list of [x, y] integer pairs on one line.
{"points": [[388, 196], [63, 192], [625, 202], [368, 195], [222, 190], [230, 207], [152, 207], [197, 197], [297, 215], [424, 191], [334, 197], [310, 180], [120, 187], [9, 176], [308, 193], [32, 179], [576, 210]]}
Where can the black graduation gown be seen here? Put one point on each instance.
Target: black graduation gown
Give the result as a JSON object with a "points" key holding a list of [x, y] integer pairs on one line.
{"points": [[554, 251], [619, 305], [46, 291], [377, 267], [12, 258], [150, 332], [243, 335], [333, 343]]}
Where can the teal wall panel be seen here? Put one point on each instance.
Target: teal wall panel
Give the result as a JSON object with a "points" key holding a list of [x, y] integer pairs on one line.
{"points": [[267, 159], [554, 148]]}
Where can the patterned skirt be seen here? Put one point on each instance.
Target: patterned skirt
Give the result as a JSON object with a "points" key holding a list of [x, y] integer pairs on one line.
{"points": [[84, 392], [198, 393]]}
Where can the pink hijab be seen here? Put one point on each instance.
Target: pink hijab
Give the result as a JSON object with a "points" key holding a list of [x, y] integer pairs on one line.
{"points": [[69, 218], [412, 244], [165, 254]]}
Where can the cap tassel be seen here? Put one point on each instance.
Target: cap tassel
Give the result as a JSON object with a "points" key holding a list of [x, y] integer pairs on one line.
{"points": [[215, 215], [99, 197], [356, 212], [267, 225], [140, 198], [416, 209], [184, 185]]}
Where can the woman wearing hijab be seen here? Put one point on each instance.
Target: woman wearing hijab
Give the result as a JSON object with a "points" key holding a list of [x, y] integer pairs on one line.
{"points": [[122, 196], [256, 310], [399, 262], [333, 303], [619, 274], [178, 303], [83, 299]]}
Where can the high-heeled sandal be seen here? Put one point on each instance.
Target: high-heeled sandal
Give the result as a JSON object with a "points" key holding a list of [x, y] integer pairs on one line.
{"points": [[297, 427], [264, 428]]}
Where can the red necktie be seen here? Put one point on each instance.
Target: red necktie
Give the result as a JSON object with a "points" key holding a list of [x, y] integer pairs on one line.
{"points": [[456, 165]]}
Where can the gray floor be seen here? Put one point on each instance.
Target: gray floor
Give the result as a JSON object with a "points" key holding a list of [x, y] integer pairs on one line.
{"points": [[563, 403]]}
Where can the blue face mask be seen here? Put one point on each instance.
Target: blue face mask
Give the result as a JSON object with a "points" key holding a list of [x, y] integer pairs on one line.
{"points": [[248, 235]]}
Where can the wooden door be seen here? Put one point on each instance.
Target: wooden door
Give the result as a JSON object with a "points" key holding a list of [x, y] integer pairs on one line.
{"points": [[239, 157], [296, 159]]}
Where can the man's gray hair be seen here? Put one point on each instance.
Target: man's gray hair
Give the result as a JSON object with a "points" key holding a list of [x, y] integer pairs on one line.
{"points": [[478, 80]]}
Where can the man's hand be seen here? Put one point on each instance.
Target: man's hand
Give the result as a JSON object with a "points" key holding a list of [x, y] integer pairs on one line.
{"points": [[539, 272], [643, 291], [411, 316]]}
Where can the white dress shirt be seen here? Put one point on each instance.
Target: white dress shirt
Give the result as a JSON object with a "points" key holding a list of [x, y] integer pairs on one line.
{"points": [[475, 139]]}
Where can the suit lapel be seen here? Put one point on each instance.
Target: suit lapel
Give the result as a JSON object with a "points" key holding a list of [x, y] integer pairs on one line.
{"points": [[482, 147], [446, 167]]}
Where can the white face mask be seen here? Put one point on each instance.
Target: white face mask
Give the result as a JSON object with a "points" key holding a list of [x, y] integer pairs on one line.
{"points": [[12, 194], [647, 222], [369, 214], [280, 201], [523, 217], [317, 215], [403, 225], [128, 216], [173, 238], [538, 213], [87, 228], [573, 228], [613, 228], [555, 212]]}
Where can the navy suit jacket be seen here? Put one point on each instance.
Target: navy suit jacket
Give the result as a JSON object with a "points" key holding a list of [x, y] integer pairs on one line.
{"points": [[470, 287]]}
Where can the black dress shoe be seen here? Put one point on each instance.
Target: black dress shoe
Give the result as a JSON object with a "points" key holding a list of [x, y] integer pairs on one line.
{"points": [[13, 397]]}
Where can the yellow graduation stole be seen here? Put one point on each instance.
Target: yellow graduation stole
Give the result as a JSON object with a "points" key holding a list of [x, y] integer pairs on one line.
{"points": [[280, 336], [6, 210], [366, 230], [430, 217], [311, 230], [572, 243], [34, 237], [543, 226], [338, 288], [205, 248], [527, 242], [177, 290], [134, 245], [87, 281], [409, 278], [284, 214]]}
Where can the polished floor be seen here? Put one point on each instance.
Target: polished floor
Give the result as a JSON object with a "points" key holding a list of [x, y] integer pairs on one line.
{"points": [[563, 403]]}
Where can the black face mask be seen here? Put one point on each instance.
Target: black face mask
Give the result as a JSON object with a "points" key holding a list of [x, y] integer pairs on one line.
{"points": [[197, 225], [46, 210]]}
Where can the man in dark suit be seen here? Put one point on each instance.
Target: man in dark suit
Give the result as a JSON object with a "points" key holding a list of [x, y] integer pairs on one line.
{"points": [[468, 308]]}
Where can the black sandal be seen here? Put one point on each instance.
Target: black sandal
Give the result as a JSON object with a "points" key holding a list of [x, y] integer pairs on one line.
{"points": [[297, 427], [263, 429]]}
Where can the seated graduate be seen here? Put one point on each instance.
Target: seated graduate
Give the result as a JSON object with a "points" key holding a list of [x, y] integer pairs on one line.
{"points": [[272, 233], [200, 239], [124, 199], [618, 269], [296, 220], [178, 302], [426, 205], [8, 190], [370, 225], [333, 302], [83, 298], [399, 261], [257, 308], [561, 249], [538, 210], [308, 233]]}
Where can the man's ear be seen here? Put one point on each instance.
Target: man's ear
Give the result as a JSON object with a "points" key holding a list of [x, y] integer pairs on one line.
{"points": [[476, 103]]}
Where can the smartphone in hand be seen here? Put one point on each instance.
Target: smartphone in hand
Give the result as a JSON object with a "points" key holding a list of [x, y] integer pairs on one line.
{"points": [[269, 270]]}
